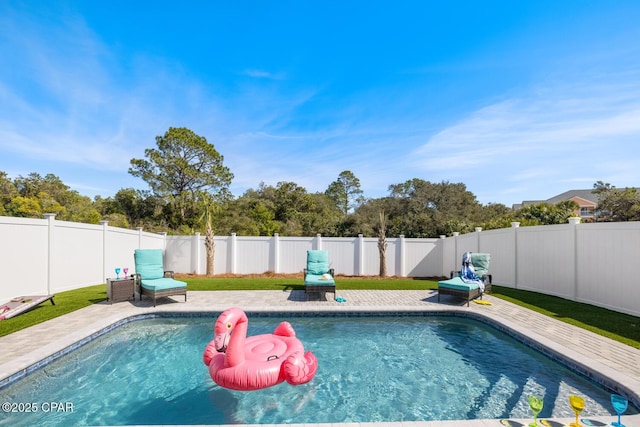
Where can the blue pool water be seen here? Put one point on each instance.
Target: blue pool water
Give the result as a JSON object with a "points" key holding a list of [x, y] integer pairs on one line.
{"points": [[370, 369]]}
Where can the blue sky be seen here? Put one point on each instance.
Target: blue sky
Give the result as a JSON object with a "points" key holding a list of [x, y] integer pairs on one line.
{"points": [[518, 100]]}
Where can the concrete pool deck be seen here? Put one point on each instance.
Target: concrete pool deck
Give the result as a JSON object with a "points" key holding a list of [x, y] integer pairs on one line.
{"points": [[609, 361]]}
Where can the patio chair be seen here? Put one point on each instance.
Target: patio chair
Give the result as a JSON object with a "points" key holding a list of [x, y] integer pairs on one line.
{"points": [[318, 277], [480, 262], [472, 281], [151, 278]]}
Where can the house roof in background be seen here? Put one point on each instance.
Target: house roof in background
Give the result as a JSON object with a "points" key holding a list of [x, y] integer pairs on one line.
{"points": [[568, 195], [587, 195]]}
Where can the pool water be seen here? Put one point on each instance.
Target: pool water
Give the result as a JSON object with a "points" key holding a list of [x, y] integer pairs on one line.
{"points": [[375, 368]]}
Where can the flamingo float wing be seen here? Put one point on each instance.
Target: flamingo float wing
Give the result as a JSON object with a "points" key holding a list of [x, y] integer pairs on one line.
{"points": [[299, 369]]}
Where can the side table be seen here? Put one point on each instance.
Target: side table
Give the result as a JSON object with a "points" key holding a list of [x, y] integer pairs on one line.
{"points": [[120, 289]]}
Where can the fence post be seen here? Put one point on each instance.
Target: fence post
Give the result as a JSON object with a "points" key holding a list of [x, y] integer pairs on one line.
{"points": [[455, 246], [360, 257], [319, 242], [441, 245], [105, 247], [232, 257], [139, 237], [276, 252], [164, 239], [50, 217], [573, 223], [401, 256], [514, 226], [195, 253]]}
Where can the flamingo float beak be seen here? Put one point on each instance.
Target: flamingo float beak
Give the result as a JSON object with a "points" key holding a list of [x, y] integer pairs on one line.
{"points": [[221, 342]]}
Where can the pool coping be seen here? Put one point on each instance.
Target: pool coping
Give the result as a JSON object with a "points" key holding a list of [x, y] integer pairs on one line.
{"points": [[599, 372]]}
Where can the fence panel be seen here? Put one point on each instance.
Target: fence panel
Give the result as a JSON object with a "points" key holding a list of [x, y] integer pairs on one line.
{"points": [[450, 262], [293, 253], [370, 259], [546, 260], [501, 244], [152, 240], [395, 264], [466, 243], [605, 265], [24, 252], [421, 258], [253, 254], [181, 254], [76, 259], [343, 254], [221, 255], [119, 245]]}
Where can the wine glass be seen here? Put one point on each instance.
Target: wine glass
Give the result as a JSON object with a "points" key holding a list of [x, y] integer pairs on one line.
{"points": [[577, 404], [117, 273], [536, 406], [125, 270], [620, 405]]}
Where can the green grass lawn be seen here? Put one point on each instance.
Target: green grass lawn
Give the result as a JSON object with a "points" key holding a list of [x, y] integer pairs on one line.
{"points": [[65, 302], [617, 326], [293, 283]]}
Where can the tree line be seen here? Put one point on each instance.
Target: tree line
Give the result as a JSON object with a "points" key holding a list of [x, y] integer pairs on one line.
{"points": [[188, 191]]}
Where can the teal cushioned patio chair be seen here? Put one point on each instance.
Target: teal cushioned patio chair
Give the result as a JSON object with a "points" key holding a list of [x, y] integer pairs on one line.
{"points": [[318, 277], [480, 263], [151, 278], [456, 287]]}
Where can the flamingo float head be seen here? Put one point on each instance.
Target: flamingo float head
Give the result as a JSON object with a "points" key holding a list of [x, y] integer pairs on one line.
{"points": [[225, 326]]}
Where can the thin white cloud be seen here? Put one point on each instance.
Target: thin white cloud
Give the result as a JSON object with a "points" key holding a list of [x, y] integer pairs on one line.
{"points": [[525, 129], [82, 107], [262, 74], [541, 143], [256, 73]]}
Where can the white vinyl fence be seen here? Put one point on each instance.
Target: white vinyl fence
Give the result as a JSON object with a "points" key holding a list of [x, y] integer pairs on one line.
{"points": [[45, 256], [591, 263], [350, 256]]}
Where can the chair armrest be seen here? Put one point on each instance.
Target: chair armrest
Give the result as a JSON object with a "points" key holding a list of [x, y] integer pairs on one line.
{"points": [[331, 272], [169, 273]]}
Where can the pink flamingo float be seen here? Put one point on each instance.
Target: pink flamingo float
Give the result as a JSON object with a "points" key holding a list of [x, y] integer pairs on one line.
{"points": [[240, 363]]}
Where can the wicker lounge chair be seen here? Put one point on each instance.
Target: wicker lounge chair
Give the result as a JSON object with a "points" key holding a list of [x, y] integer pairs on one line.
{"points": [[459, 288], [151, 278], [318, 277]]}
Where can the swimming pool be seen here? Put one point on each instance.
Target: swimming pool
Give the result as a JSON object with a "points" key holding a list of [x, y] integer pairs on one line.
{"points": [[372, 368]]}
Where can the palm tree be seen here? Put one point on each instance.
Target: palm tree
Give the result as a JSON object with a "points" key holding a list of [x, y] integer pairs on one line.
{"points": [[210, 209], [382, 245]]}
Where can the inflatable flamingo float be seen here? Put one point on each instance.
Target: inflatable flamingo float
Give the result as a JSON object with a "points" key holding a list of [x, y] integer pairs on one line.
{"points": [[240, 363]]}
